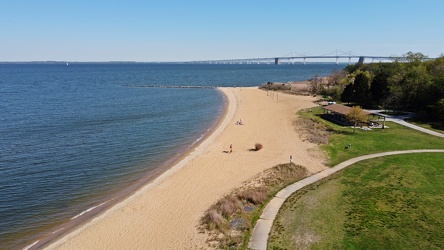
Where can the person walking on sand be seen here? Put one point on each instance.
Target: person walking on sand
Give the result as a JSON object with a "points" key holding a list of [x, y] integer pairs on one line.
{"points": [[231, 148]]}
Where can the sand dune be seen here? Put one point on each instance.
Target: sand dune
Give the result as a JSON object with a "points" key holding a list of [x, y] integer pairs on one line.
{"points": [[165, 213]]}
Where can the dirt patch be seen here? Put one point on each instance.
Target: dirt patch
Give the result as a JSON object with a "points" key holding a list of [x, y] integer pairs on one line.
{"points": [[312, 130]]}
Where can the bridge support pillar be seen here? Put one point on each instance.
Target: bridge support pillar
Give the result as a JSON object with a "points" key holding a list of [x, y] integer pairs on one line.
{"points": [[361, 60], [276, 61]]}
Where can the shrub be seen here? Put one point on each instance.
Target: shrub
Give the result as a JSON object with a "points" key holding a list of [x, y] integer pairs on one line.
{"points": [[257, 146], [214, 220], [229, 205], [255, 196]]}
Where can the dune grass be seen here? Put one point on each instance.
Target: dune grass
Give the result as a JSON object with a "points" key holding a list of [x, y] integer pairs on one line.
{"points": [[230, 221]]}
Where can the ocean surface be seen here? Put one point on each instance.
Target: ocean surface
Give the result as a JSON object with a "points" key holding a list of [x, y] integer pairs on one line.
{"points": [[73, 136]]}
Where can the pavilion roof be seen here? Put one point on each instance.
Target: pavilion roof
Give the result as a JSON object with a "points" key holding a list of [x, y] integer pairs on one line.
{"points": [[341, 109]]}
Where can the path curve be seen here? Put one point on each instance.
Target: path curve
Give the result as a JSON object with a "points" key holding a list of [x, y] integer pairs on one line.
{"points": [[259, 237]]}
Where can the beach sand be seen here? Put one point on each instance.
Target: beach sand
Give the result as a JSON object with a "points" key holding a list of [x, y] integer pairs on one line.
{"points": [[165, 213]]}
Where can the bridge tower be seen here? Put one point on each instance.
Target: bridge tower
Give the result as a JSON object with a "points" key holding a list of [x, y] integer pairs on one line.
{"points": [[337, 57], [276, 61]]}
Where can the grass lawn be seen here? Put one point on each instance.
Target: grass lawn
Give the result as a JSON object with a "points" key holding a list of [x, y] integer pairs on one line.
{"points": [[435, 126], [363, 142], [394, 202]]}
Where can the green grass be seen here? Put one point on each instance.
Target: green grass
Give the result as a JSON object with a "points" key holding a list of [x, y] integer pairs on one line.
{"points": [[395, 202], [435, 126], [396, 137], [363, 142]]}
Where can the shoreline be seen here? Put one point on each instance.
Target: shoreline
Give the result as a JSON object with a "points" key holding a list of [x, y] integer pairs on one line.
{"points": [[164, 212], [92, 213]]}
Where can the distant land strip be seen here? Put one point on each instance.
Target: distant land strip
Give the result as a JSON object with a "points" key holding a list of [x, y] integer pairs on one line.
{"points": [[169, 86]]}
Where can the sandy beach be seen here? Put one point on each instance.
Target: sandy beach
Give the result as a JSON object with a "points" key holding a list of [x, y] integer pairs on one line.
{"points": [[165, 213]]}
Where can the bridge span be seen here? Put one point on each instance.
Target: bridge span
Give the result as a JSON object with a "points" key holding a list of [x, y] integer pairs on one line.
{"points": [[336, 56]]}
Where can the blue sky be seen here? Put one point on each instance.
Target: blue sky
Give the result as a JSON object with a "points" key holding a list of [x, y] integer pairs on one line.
{"points": [[166, 30]]}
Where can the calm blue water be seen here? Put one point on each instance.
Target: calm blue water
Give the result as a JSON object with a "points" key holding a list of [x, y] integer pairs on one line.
{"points": [[71, 136]]}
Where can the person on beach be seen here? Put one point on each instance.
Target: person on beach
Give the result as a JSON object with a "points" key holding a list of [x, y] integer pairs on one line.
{"points": [[231, 148]]}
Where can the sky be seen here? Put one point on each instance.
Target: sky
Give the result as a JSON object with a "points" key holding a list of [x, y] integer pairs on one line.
{"points": [[173, 31]]}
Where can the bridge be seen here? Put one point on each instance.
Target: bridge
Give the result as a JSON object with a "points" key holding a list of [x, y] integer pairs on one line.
{"points": [[335, 56]]}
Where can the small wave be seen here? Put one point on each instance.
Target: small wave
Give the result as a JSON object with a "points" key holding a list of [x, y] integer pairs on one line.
{"points": [[58, 230], [88, 210], [31, 245], [199, 139]]}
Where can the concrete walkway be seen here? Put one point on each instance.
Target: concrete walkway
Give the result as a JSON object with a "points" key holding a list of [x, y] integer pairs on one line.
{"points": [[404, 123], [400, 119], [259, 237]]}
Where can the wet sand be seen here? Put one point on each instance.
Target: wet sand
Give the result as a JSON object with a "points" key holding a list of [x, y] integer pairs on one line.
{"points": [[165, 213]]}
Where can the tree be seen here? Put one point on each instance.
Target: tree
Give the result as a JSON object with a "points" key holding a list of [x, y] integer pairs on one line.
{"points": [[336, 78], [359, 90], [347, 94], [315, 84], [379, 88], [438, 109], [361, 87], [355, 116], [415, 58]]}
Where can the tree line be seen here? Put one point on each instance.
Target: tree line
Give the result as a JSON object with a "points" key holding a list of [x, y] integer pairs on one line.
{"points": [[415, 85]]}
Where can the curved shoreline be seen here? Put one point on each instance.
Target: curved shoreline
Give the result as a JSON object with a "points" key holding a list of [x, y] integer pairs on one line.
{"points": [[73, 227], [78, 221], [165, 213]]}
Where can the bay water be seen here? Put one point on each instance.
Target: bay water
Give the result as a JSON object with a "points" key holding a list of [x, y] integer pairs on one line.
{"points": [[72, 136]]}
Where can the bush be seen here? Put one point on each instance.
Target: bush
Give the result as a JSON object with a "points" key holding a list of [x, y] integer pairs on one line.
{"points": [[214, 220], [276, 86], [255, 196], [257, 146], [229, 205]]}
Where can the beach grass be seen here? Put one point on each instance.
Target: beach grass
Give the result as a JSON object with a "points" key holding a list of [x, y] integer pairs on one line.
{"points": [[393, 202], [231, 220]]}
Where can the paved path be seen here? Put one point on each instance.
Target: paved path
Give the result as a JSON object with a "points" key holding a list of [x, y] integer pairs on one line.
{"points": [[400, 120], [260, 233], [404, 123]]}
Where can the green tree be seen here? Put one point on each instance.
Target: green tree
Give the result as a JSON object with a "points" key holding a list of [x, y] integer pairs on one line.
{"points": [[410, 82], [355, 116], [361, 87], [415, 58], [379, 88], [359, 90], [438, 110]]}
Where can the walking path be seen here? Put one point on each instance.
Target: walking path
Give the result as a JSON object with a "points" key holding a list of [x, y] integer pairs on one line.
{"points": [[260, 233], [400, 120], [259, 237], [404, 123]]}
